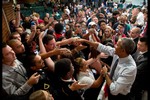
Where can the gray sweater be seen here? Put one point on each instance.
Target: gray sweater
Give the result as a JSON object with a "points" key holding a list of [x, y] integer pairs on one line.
{"points": [[14, 79]]}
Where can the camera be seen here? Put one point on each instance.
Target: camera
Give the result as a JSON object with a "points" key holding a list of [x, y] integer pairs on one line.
{"points": [[42, 73]]}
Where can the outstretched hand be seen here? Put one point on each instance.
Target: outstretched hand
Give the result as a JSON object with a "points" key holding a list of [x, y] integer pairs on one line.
{"points": [[80, 40], [34, 79], [63, 51], [76, 86]]}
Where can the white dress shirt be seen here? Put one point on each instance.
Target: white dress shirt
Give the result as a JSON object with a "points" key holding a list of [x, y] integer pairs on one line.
{"points": [[124, 74]]}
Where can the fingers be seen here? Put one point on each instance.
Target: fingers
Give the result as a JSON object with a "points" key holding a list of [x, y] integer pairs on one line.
{"points": [[65, 51], [36, 75], [105, 68], [80, 84]]}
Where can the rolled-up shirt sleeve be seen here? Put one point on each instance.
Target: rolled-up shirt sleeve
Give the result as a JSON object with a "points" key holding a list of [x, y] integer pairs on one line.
{"points": [[106, 49]]}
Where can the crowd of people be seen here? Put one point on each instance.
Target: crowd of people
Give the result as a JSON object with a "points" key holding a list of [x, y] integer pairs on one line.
{"points": [[89, 53]]}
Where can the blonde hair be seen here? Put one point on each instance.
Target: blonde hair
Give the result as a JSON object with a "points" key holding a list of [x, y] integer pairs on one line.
{"points": [[36, 14], [79, 61], [108, 27], [38, 95]]}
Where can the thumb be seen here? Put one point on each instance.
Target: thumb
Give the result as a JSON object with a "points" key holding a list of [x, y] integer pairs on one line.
{"points": [[35, 74]]}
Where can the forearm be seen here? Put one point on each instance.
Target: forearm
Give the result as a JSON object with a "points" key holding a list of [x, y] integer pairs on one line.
{"points": [[17, 91], [50, 63], [107, 78], [64, 42], [41, 45], [93, 38], [97, 82], [31, 37], [17, 18], [23, 89], [45, 27], [106, 49], [86, 36], [48, 54], [90, 61], [93, 44]]}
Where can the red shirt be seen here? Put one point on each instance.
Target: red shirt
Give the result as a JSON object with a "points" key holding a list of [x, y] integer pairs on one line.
{"points": [[40, 21], [58, 35]]}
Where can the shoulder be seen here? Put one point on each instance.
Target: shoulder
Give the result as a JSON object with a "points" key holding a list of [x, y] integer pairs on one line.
{"points": [[18, 62]]}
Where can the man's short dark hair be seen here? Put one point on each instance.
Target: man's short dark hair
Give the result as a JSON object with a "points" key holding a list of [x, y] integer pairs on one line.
{"points": [[116, 12], [102, 20], [144, 39], [12, 35], [58, 28], [128, 44], [31, 61], [122, 24], [62, 67], [47, 38]]}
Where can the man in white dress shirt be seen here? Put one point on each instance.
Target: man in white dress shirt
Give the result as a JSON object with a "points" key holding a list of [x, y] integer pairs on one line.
{"points": [[120, 83]]}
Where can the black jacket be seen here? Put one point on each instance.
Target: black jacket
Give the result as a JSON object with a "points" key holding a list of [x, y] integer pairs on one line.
{"points": [[63, 92], [141, 82]]}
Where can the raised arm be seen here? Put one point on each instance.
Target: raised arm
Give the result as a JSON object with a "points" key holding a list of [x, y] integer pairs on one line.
{"points": [[99, 47], [49, 61], [93, 44], [66, 41], [32, 35], [60, 51], [17, 10]]}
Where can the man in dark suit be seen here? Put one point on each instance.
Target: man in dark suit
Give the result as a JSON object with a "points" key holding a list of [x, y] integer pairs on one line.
{"points": [[140, 85]]}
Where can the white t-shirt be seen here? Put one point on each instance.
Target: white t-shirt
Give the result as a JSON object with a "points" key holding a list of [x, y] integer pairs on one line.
{"points": [[140, 19], [86, 78]]}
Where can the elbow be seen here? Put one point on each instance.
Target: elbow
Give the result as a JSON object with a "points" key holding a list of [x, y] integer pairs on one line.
{"points": [[113, 89]]}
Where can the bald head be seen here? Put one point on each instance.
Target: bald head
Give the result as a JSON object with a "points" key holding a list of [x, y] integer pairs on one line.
{"points": [[135, 32]]}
